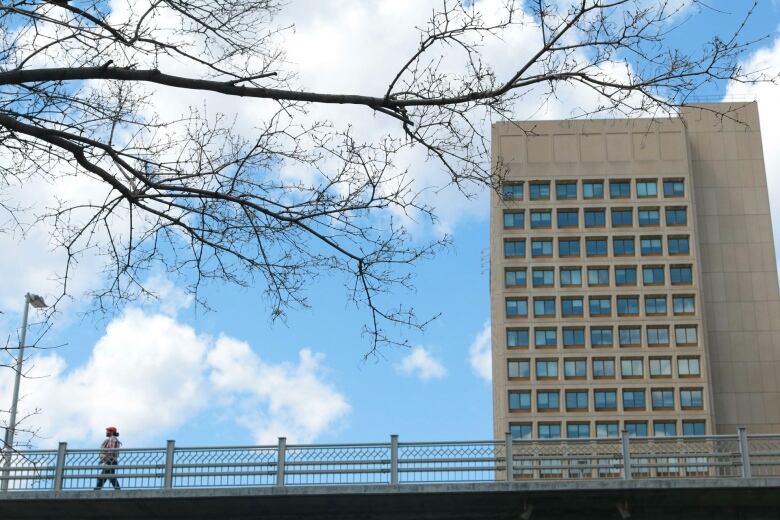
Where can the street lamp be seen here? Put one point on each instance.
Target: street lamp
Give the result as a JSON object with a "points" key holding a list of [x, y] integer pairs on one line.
{"points": [[37, 302]]}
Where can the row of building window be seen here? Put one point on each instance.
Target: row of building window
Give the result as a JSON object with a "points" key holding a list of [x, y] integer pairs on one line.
{"points": [[599, 306], [632, 399], [601, 337], [569, 218], [603, 368], [598, 276], [593, 189], [542, 247], [606, 429]]}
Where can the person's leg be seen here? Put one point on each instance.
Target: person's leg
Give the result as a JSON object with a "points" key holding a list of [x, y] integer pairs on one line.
{"points": [[101, 480], [114, 481]]}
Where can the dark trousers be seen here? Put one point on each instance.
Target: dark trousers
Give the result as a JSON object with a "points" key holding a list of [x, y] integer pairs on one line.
{"points": [[108, 470]]}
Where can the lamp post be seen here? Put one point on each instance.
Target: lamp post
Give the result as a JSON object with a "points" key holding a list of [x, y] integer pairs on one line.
{"points": [[37, 302]]}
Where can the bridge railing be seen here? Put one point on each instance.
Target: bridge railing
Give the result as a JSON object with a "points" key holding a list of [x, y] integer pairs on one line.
{"points": [[397, 463]]}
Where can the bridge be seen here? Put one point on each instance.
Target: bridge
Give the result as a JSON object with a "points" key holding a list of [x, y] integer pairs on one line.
{"points": [[713, 477]]}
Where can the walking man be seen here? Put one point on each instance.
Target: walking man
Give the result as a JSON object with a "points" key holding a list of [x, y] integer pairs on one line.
{"points": [[109, 458]]}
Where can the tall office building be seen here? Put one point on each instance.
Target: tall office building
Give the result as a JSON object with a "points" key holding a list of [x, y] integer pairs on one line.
{"points": [[633, 277]]}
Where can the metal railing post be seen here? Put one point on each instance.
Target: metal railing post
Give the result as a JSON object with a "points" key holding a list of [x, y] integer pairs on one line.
{"points": [[624, 443], [394, 459], [509, 457], [59, 468], [744, 452], [170, 448], [281, 454]]}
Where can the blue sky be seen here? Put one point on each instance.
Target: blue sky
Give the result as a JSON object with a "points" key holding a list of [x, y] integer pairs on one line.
{"points": [[166, 370]]}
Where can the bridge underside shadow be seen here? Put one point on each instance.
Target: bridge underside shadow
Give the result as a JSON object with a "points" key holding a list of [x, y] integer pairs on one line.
{"points": [[727, 499]]}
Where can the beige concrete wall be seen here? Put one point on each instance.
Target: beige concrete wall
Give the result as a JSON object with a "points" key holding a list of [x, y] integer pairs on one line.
{"points": [[739, 270]]}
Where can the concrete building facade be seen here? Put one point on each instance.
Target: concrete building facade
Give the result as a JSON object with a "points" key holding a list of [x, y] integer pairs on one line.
{"points": [[633, 277]]}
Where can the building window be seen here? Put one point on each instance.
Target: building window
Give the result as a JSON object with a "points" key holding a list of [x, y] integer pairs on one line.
{"points": [[623, 246], [630, 336], [600, 305], [693, 428], [606, 429], [517, 338], [573, 337], [649, 217], [674, 188], [619, 189], [566, 190], [691, 398], [655, 305], [653, 275], [516, 307], [540, 190], [549, 431], [544, 307], [596, 246], [601, 337], [518, 369], [685, 335], [541, 218], [636, 428], [521, 431], [575, 369], [545, 338], [683, 304], [628, 305], [593, 189], [576, 399], [604, 400], [513, 190], [546, 369], [676, 216], [514, 247], [625, 276], [604, 368], [547, 400], [595, 217], [646, 188], [568, 218], [571, 276], [633, 399], [650, 246], [622, 217], [681, 274], [661, 367], [514, 219], [657, 335], [571, 306], [568, 247], [542, 276], [515, 277], [664, 428], [688, 367], [631, 368], [663, 399], [577, 430], [678, 245], [519, 400], [598, 276], [541, 247]]}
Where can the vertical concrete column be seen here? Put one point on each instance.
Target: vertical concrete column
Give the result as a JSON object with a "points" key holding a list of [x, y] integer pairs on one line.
{"points": [[394, 459], [744, 452], [59, 468], [624, 443], [509, 457], [281, 454], [170, 448]]}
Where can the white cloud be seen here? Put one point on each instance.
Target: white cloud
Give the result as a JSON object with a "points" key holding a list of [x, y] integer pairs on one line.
{"points": [[420, 363], [150, 374], [480, 355]]}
